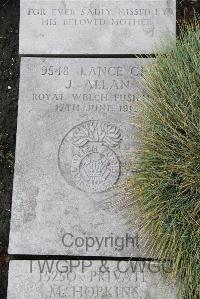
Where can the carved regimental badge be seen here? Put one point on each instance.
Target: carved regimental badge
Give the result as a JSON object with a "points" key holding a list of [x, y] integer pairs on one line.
{"points": [[87, 157]]}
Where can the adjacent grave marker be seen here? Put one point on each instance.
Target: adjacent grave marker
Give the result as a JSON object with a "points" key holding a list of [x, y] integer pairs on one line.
{"points": [[95, 27], [73, 135], [41, 279]]}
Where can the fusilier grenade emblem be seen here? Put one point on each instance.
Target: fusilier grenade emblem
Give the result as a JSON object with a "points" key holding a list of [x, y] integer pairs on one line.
{"points": [[94, 164]]}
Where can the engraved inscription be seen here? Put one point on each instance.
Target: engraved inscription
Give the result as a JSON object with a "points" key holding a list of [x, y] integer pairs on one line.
{"points": [[89, 279], [94, 165], [130, 14], [94, 27]]}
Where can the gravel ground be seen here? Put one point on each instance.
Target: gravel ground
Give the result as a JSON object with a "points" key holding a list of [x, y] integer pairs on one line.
{"points": [[9, 74], [9, 77]]}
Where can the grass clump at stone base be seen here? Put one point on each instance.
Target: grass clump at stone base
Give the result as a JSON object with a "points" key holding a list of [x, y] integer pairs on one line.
{"points": [[166, 186]]}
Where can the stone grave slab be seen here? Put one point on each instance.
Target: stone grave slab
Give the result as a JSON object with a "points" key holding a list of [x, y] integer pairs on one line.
{"points": [[95, 27], [85, 279], [73, 137]]}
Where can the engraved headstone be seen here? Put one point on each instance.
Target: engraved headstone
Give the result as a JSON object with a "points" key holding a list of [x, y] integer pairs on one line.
{"points": [[72, 139], [95, 27], [44, 279]]}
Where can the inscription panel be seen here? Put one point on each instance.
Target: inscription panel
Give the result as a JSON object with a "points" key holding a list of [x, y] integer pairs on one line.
{"points": [[95, 27], [73, 135], [53, 279]]}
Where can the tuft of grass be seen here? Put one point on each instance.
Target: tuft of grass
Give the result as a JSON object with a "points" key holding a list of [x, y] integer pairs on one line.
{"points": [[165, 190]]}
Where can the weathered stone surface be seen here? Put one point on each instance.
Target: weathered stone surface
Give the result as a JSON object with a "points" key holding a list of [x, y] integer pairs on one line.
{"points": [[88, 279], [72, 139], [95, 27]]}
